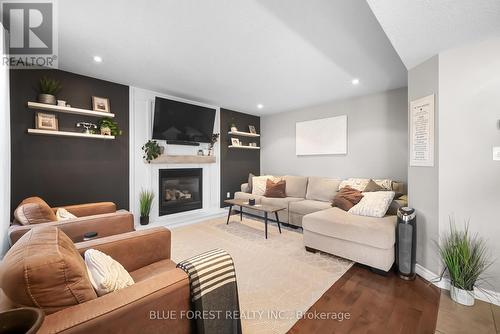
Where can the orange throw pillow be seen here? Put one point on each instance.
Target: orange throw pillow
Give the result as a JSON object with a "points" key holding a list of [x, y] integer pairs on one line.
{"points": [[346, 198], [275, 189]]}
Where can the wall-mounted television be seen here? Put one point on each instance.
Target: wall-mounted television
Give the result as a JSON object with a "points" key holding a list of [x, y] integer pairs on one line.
{"points": [[182, 123]]}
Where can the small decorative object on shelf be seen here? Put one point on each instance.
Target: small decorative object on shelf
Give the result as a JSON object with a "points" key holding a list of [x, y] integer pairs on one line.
{"points": [[466, 258], [235, 142], [61, 103], [87, 126], [145, 201], [109, 127], [151, 150], [252, 144], [234, 128], [213, 140], [200, 152], [100, 104], [48, 89], [46, 121], [251, 128]]}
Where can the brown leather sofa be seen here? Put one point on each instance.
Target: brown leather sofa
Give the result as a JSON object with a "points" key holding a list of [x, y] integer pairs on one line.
{"points": [[45, 269], [93, 217]]}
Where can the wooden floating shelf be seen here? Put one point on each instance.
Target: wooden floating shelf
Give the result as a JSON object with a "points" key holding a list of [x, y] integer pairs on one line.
{"points": [[184, 159], [246, 147], [244, 134], [69, 110], [67, 134]]}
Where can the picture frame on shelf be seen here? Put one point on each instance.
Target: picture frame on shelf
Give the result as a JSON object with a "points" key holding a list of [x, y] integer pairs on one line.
{"points": [[252, 129], [235, 142], [100, 104], [45, 121]]}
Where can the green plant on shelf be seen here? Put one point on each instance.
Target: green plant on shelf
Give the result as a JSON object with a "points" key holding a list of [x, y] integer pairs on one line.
{"points": [[49, 86], [151, 150], [107, 122]]}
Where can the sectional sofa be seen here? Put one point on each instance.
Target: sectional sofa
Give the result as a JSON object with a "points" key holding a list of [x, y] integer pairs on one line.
{"points": [[366, 240]]}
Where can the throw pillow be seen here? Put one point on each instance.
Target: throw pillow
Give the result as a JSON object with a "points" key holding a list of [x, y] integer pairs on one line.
{"points": [[250, 183], [346, 198], [355, 183], [373, 186], [106, 274], [259, 184], [373, 204], [384, 183], [63, 214], [34, 210], [275, 189]]}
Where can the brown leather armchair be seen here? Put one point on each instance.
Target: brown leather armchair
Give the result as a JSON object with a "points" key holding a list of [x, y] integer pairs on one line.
{"points": [[101, 218], [45, 269]]}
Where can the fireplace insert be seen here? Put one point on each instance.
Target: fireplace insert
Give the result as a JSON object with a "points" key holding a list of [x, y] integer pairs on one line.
{"points": [[180, 190]]}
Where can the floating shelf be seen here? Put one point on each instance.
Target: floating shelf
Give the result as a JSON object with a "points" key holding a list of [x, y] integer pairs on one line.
{"points": [[246, 147], [244, 134], [184, 159], [69, 110], [67, 134]]}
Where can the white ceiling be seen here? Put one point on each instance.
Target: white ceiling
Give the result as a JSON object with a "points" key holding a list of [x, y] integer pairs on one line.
{"points": [[284, 54], [420, 29]]}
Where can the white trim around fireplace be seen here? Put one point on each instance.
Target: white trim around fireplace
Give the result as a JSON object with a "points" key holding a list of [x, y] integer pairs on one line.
{"points": [[145, 176]]}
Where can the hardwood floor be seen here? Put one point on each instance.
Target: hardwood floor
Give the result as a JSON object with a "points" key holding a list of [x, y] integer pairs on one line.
{"points": [[376, 304]]}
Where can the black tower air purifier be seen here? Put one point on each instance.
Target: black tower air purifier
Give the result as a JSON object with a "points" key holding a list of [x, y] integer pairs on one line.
{"points": [[406, 243]]}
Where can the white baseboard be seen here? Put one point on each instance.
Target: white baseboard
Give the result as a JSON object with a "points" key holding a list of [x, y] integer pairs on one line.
{"points": [[186, 219], [488, 296]]}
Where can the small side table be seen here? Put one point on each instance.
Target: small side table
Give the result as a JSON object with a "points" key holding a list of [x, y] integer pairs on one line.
{"points": [[21, 320]]}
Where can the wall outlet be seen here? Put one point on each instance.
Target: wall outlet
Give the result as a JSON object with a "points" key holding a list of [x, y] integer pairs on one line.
{"points": [[228, 195], [496, 153]]}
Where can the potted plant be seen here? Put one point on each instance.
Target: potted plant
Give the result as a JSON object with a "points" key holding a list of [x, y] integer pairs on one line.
{"points": [[233, 127], [465, 259], [48, 89], [108, 127], [145, 201], [211, 145], [151, 150]]}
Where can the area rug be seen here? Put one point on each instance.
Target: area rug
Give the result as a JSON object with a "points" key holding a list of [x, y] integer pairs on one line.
{"points": [[278, 280]]}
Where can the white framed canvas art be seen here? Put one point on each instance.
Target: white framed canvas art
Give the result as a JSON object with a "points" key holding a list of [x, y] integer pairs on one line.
{"points": [[321, 136]]}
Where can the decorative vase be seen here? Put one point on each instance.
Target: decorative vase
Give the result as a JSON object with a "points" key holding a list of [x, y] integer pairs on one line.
{"points": [[234, 129], [47, 99], [144, 220], [105, 131], [462, 297]]}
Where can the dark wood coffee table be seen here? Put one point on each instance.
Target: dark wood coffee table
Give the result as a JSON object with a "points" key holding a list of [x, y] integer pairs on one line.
{"points": [[267, 209]]}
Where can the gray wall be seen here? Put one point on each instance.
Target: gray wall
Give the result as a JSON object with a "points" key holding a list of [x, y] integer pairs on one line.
{"points": [[423, 186], [377, 139], [469, 179]]}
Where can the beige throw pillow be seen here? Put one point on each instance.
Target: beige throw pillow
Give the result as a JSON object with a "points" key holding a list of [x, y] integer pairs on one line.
{"points": [[373, 204], [259, 184], [63, 214], [354, 183], [106, 274]]}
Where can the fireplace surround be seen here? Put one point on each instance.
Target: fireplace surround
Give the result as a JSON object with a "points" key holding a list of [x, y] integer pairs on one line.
{"points": [[180, 190]]}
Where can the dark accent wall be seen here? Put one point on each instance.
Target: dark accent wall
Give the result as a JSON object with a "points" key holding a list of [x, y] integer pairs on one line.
{"points": [[236, 164], [65, 170]]}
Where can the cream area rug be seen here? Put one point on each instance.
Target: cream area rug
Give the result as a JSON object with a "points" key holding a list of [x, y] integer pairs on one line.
{"points": [[277, 278]]}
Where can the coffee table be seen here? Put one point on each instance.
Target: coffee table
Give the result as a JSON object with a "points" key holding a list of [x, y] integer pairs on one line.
{"points": [[267, 209]]}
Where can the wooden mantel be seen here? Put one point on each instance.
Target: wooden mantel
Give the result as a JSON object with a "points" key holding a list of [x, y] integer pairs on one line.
{"points": [[183, 159]]}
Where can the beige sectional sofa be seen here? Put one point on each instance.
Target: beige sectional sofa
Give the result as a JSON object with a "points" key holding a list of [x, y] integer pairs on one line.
{"points": [[366, 240]]}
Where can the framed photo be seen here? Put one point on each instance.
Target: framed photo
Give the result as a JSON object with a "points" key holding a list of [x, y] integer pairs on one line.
{"points": [[235, 142], [252, 129], [100, 104], [46, 121]]}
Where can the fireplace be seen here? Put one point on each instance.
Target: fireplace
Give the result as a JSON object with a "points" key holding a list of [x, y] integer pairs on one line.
{"points": [[180, 190]]}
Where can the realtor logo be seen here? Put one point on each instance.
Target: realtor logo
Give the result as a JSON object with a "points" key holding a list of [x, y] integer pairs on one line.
{"points": [[31, 30]]}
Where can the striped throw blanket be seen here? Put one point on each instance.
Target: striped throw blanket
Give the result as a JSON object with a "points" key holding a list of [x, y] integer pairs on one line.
{"points": [[214, 293]]}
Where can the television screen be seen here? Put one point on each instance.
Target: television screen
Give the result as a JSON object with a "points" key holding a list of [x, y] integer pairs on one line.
{"points": [[182, 122]]}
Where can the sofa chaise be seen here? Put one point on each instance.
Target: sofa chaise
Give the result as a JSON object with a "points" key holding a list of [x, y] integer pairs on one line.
{"points": [[366, 240]]}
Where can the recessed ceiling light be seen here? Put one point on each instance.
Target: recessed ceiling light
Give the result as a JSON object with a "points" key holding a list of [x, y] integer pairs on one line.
{"points": [[97, 59], [355, 81], [260, 106]]}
